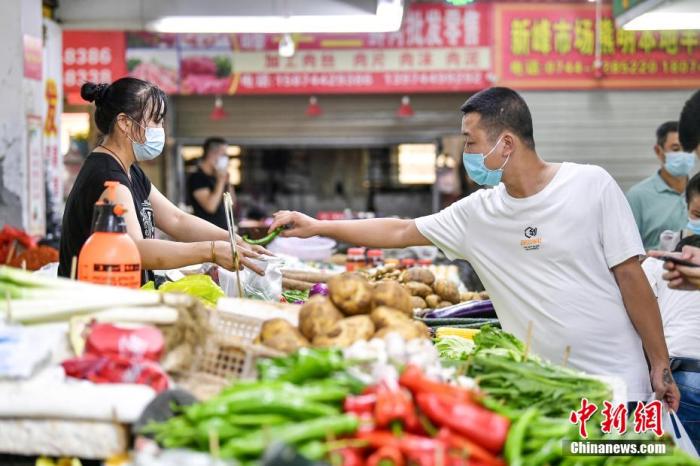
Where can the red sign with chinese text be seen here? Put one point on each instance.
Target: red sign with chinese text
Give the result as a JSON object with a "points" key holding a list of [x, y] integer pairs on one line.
{"points": [[439, 48], [96, 56], [553, 46]]}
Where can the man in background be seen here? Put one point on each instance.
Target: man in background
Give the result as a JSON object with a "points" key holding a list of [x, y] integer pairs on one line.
{"points": [[206, 187], [658, 202]]}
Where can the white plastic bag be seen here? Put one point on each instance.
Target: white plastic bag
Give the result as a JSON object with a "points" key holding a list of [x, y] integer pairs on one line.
{"points": [[673, 427], [267, 287]]}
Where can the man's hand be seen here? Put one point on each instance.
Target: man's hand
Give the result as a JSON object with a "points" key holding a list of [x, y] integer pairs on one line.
{"points": [[300, 225], [665, 387], [680, 277]]}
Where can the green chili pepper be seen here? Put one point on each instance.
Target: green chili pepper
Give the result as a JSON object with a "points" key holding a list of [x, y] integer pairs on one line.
{"points": [[314, 450], [550, 451], [287, 400], [306, 364], [265, 240], [516, 436], [314, 429]]}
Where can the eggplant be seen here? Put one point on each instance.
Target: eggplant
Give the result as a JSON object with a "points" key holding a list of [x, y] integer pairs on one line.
{"points": [[472, 309]]}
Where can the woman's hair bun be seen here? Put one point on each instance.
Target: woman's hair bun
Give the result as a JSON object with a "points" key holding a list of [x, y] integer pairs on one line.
{"points": [[93, 92]]}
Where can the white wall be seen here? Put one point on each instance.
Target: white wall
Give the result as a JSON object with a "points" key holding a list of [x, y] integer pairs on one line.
{"points": [[18, 98], [613, 129]]}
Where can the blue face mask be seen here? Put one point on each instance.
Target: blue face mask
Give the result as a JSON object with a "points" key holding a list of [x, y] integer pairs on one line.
{"points": [[477, 170], [152, 148], [679, 163], [694, 226]]}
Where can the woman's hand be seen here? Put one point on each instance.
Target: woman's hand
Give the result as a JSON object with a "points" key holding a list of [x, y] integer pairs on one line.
{"points": [[681, 277], [224, 258]]}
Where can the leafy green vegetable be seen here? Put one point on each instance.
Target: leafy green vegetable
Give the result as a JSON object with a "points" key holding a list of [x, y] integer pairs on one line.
{"points": [[454, 348], [199, 286], [295, 296], [498, 364], [491, 337], [223, 66]]}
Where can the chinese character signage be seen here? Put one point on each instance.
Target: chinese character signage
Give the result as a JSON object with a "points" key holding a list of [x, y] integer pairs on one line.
{"points": [[439, 48], [96, 56], [32, 57], [553, 46]]}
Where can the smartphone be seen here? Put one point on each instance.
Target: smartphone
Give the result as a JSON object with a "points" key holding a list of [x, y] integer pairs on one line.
{"points": [[678, 261]]}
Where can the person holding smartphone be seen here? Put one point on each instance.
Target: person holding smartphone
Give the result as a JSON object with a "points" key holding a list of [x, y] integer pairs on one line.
{"points": [[680, 312], [206, 186], [680, 276]]}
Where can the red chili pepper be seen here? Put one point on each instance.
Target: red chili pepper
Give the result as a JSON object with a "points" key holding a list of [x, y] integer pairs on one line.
{"points": [[414, 379], [475, 452], [361, 404], [474, 422], [395, 406], [386, 456], [350, 457], [406, 443]]}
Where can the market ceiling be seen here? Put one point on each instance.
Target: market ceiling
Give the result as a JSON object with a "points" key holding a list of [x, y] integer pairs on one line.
{"points": [[263, 16]]}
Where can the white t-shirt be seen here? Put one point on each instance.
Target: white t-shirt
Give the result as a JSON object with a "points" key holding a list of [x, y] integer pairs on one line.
{"points": [[546, 259], [680, 311]]}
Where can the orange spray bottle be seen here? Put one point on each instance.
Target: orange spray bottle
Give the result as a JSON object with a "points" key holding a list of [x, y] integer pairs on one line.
{"points": [[110, 256]]}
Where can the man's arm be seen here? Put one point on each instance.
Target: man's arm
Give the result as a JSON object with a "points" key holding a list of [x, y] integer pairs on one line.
{"points": [[210, 199], [373, 233], [643, 311]]}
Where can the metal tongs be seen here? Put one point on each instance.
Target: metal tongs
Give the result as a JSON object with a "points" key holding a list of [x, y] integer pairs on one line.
{"points": [[228, 206]]}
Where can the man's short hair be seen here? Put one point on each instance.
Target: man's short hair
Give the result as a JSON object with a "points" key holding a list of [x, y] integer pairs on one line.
{"points": [[502, 109], [663, 130], [212, 143], [689, 124]]}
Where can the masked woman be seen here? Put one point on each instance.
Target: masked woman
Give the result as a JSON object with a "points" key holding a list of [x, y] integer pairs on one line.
{"points": [[130, 113]]}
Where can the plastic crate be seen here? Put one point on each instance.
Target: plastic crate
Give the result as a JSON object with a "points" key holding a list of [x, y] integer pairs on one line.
{"points": [[230, 354]]}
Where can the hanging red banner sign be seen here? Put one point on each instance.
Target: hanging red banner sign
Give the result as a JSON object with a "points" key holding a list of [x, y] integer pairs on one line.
{"points": [[439, 48], [95, 56], [553, 46]]}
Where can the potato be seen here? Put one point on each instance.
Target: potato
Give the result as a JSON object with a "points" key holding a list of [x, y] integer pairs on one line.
{"points": [[469, 296], [392, 294], [346, 332], [384, 316], [318, 316], [432, 301], [423, 329], [444, 304], [418, 303], [447, 290], [351, 293], [407, 330], [419, 289], [484, 295], [279, 334], [418, 274]]}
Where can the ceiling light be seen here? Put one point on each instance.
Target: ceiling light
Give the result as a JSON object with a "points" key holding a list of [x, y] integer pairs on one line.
{"points": [[664, 20], [387, 19], [287, 47]]}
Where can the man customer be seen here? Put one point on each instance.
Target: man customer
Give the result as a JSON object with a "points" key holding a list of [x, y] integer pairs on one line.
{"points": [[658, 202], [679, 276], [680, 312], [555, 245], [206, 187]]}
